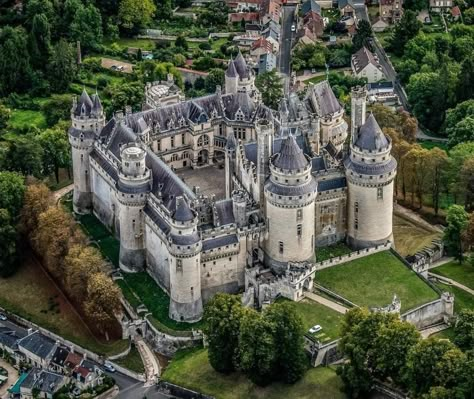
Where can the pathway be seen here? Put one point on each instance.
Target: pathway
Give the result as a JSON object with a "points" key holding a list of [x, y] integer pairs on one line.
{"points": [[440, 262], [12, 377], [326, 302], [428, 332], [152, 367], [416, 218], [452, 282], [57, 195]]}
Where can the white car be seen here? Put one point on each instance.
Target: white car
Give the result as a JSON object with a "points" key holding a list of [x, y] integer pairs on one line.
{"points": [[3, 317], [315, 329], [109, 367], [293, 28]]}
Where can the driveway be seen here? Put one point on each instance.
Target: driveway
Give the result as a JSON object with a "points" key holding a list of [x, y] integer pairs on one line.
{"points": [[12, 377]]}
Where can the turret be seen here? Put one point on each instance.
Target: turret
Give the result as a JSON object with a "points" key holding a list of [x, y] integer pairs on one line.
{"points": [[358, 109], [185, 247], [133, 187], [370, 173], [289, 193], [239, 204], [231, 79], [87, 120], [264, 131]]}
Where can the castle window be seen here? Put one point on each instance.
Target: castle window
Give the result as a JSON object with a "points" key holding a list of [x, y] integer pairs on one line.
{"points": [[203, 140], [179, 265], [299, 230], [230, 259], [126, 164], [182, 139], [356, 224], [172, 142], [137, 163], [280, 246], [379, 193], [356, 207], [158, 145], [299, 213], [82, 157]]}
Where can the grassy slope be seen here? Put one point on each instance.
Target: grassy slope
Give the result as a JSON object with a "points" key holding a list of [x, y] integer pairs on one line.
{"points": [[462, 299], [463, 274], [132, 361], [21, 118], [313, 313], [31, 295], [192, 370], [332, 251], [409, 237], [373, 280]]}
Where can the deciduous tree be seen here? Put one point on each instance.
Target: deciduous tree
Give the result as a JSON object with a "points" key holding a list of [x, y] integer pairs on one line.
{"points": [[26, 155], [437, 164], [8, 236], [62, 66], [136, 14], [457, 220], [464, 329], [87, 27], [37, 200], [406, 29], [462, 132], [5, 114], [56, 151], [12, 190], [269, 84]]}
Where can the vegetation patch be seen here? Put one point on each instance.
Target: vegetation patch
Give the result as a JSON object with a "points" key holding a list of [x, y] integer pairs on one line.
{"points": [[191, 369], [332, 251], [462, 273], [133, 361], [462, 299], [24, 118], [411, 237], [373, 280]]}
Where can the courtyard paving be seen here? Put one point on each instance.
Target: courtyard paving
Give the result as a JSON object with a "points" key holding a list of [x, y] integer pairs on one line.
{"points": [[209, 179]]}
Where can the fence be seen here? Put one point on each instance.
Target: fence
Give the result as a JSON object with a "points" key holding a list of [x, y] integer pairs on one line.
{"points": [[184, 393]]}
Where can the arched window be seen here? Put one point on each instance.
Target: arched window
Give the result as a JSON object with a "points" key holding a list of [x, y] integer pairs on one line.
{"points": [[174, 157], [203, 140]]}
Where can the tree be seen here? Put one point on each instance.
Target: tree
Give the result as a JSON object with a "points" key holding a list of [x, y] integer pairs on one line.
{"points": [[103, 300], [364, 32], [181, 42], [417, 173], [437, 164], [5, 114], [458, 156], [87, 27], [468, 16], [464, 330], [467, 181], [15, 69], [214, 15], [62, 66], [136, 14], [257, 347], [40, 41], [215, 78], [271, 88], [56, 151], [462, 132], [290, 359], [8, 236], [125, 94], [465, 88], [422, 362], [222, 318], [468, 235], [80, 264], [457, 220], [406, 29], [37, 200], [449, 369], [26, 155], [57, 108], [12, 190]]}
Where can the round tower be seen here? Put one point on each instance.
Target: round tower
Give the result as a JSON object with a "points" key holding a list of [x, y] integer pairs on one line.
{"points": [[289, 194], [185, 247], [239, 208], [358, 108], [87, 120], [132, 190], [370, 173]]}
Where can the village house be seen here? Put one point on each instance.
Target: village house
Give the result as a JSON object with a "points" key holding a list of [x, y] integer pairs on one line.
{"points": [[440, 5], [391, 11], [365, 65]]}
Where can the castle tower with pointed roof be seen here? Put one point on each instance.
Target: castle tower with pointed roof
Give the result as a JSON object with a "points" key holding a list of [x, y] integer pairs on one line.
{"points": [[240, 78], [289, 209], [88, 119], [370, 174]]}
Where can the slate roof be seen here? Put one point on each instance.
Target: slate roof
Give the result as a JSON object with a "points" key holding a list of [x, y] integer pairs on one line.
{"points": [[157, 219], [96, 105], [321, 100], [291, 191], [343, 3], [318, 164], [84, 104], [251, 148], [241, 66], [332, 184], [291, 156], [37, 344], [371, 169], [231, 71], [362, 58], [60, 356], [44, 381], [310, 5], [8, 340], [219, 242], [183, 212], [224, 213], [370, 136]]}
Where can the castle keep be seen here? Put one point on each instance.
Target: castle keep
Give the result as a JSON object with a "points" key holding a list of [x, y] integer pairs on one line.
{"points": [[292, 184]]}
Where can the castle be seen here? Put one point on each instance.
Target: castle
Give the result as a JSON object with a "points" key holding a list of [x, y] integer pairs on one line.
{"points": [[292, 184]]}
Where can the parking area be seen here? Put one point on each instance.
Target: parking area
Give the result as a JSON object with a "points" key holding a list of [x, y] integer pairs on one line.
{"points": [[12, 377], [116, 65]]}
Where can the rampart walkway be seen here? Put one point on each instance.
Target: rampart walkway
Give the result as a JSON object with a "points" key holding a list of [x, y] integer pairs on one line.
{"points": [[326, 302]]}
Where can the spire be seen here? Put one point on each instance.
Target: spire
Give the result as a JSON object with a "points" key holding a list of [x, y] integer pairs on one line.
{"points": [[291, 156], [97, 105], [183, 212], [84, 105], [370, 136], [241, 66], [231, 71]]}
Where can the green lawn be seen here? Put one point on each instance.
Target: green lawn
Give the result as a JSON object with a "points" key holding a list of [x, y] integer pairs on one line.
{"points": [[432, 144], [133, 361], [313, 313], [124, 42], [155, 299], [462, 299], [332, 251], [463, 274], [22, 118], [445, 334], [373, 280], [32, 295], [191, 369]]}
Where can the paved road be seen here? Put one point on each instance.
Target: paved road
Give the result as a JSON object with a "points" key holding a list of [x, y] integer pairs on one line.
{"points": [[326, 302], [286, 41]]}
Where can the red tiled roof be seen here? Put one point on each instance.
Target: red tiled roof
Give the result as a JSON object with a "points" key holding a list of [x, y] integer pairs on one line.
{"points": [[262, 42], [82, 371], [246, 16], [455, 11]]}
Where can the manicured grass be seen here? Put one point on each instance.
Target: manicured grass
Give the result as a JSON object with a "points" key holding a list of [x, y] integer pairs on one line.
{"points": [[410, 237], [445, 334], [462, 299], [432, 144], [124, 42], [373, 280], [133, 361], [31, 294], [23, 118], [313, 313], [155, 299], [463, 274], [191, 369], [332, 251]]}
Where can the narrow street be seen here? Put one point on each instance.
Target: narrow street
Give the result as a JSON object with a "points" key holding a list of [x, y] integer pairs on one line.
{"points": [[286, 43]]}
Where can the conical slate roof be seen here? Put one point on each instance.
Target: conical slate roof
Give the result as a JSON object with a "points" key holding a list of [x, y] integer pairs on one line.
{"points": [[291, 156], [96, 105], [231, 71], [241, 66], [84, 105], [183, 212], [370, 136]]}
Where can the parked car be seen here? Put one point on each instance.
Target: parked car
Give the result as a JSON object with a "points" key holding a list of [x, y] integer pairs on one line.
{"points": [[109, 367], [293, 28], [76, 392], [315, 329], [3, 317]]}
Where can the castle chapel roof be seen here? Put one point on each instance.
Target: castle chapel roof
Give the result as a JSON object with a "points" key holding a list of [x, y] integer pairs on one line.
{"points": [[370, 136], [291, 156]]}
